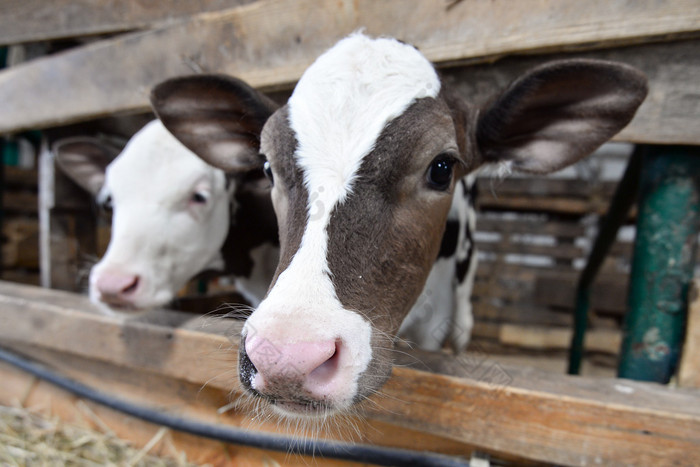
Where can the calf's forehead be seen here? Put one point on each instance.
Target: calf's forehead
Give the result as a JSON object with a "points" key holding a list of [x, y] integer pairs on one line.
{"points": [[345, 99], [155, 164]]}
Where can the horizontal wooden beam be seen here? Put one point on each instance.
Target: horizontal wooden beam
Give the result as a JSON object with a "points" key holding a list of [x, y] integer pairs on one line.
{"points": [[270, 43], [39, 20], [517, 412]]}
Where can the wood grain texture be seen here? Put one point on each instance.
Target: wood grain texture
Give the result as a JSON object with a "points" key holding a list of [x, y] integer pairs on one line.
{"points": [[37, 20], [689, 371], [270, 43], [520, 413], [544, 338]]}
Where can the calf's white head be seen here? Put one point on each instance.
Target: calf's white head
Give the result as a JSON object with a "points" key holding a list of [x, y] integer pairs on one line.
{"points": [[170, 215], [363, 160]]}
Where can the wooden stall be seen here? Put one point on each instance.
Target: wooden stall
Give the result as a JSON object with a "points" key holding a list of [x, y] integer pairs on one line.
{"points": [[534, 233]]}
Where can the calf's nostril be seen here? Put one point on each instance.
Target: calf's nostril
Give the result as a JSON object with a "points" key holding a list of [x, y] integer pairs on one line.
{"points": [[131, 288], [116, 284], [327, 370]]}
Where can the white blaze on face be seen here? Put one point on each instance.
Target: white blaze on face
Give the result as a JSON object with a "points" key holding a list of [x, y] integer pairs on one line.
{"points": [[337, 112], [161, 231]]}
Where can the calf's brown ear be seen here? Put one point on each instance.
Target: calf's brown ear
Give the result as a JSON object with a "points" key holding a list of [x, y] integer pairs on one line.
{"points": [[558, 113], [84, 159], [218, 117]]}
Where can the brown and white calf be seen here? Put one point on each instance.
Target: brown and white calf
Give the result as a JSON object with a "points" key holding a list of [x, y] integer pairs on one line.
{"points": [[364, 159], [174, 216]]}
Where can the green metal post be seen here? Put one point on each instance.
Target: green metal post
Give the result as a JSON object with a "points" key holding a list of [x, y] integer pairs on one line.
{"points": [[620, 205], [3, 61], [665, 246]]}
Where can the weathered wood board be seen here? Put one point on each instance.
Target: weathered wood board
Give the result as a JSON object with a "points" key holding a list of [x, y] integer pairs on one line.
{"points": [[36, 20], [689, 371], [270, 43], [518, 413]]}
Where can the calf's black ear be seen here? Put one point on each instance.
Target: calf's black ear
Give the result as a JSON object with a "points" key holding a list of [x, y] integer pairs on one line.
{"points": [[218, 117], [558, 113], [84, 160]]}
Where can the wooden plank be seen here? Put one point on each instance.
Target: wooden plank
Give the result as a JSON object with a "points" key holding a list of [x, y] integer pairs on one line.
{"points": [[545, 338], [689, 371], [38, 20], [567, 206], [270, 43], [21, 249], [20, 202], [520, 314], [562, 251], [525, 226], [550, 418], [609, 292], [20, 389], [541, 186], [17, 177], [21, 277]]}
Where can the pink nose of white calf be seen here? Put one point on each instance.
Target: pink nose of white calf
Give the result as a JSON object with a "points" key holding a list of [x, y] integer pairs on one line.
{"points": [[312, 366], [117, 288]]}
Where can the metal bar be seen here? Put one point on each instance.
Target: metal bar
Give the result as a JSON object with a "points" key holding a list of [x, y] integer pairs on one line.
{"points": [[620, 205], [662, 266], [3, 60]]}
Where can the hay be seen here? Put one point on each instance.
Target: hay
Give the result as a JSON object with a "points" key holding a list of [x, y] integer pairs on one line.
{"points": [[29, 439]]}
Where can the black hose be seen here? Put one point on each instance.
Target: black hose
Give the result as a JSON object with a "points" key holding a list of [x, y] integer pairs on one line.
{"points": [[321, 448]]}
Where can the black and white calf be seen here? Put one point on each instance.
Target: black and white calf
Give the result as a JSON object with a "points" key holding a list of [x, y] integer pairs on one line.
{"points": [[364, 159], [174, 216]]}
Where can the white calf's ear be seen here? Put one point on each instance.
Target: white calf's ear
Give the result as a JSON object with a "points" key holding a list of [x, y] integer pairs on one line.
{"points": [[218, 117], [558, 113], [84, 160]]}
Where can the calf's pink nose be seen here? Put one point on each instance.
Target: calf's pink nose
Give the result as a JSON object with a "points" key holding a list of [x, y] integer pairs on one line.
{"points": [[116, 284], [313, 364]]}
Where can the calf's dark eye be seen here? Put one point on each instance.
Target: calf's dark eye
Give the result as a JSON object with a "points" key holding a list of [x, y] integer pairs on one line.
{"points": [[439, 175], [106, 203], [198, 198], [268, 172]]}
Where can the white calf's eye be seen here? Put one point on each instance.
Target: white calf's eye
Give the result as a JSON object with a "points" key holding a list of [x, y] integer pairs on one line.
{"points": [[267, 168], [199, 198], [106, 203]]}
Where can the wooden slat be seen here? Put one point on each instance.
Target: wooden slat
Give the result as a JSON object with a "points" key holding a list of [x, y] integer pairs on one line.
{"points": [[609, 292], [37, 20], [270, 43], [514, 314], [19, 177], [689, 370], [556, 419], [569, 252], [560, 187], [21, 246], [21, 277], [566, 206], [186, 400], [526, 226], [20, 202], [544, 338]]}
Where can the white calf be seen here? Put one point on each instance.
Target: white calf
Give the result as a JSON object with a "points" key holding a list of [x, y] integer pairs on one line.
{"points": [[172, 219], [364, 159]]}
